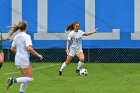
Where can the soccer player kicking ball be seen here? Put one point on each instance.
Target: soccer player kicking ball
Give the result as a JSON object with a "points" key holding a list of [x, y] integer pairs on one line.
{"points": [[22, 46], [76, 47]]}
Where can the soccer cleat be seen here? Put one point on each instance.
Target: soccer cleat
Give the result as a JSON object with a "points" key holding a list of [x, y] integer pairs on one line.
{"points": [[60, 73], [77, 71], [9, 82]]}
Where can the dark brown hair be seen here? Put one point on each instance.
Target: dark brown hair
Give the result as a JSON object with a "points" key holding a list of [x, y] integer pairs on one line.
{"points": [[70, 27]]}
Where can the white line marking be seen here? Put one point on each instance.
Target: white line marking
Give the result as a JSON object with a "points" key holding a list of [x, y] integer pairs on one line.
{"points": [[44, 67], [10, 73]]}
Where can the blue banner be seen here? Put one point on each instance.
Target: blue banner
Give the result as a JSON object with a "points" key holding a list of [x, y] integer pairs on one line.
{"points": [[118, 21]]}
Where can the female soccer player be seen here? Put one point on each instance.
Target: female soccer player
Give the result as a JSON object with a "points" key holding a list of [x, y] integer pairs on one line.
{"points": [[1, 50], [76, 47], [22, 46]]}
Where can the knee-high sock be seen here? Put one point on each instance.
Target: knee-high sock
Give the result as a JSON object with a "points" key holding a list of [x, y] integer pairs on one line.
{"points": [[63, 66], [23, 87], [79, 65], [22, 80]]}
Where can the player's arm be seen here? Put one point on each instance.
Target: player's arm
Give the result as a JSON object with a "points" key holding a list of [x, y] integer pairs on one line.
{"points": [[90, 33], [29, 48], [13, 49], [3, 38], [68, 42], [67, 46]]}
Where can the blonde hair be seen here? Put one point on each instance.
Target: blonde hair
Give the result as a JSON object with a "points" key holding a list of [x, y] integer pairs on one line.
{"points": [[22, 25]]}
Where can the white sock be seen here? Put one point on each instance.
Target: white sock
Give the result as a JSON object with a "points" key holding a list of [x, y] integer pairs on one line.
{"points": [[23, 87], [63, 66], [79, 65], [24, 79]]}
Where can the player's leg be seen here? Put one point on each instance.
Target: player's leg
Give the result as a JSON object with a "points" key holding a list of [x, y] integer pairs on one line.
{"points": [[68, 60], [1, 59], [23, 87], [81, 57], [70, 56], [27, 73]]}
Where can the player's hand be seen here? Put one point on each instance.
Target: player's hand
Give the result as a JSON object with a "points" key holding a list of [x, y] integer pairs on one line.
{"points": [[67, 50], [95, 30], [8, 38], [40, 56]]}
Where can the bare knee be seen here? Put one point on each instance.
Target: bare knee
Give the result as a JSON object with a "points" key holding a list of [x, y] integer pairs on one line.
{"points": [[31, 79], [82, 60], [1, 58], [68, 60], [1, 61], [27, 72]]}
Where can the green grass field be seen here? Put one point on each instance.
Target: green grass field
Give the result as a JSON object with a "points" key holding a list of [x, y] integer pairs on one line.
{"points": [[101, 78]]}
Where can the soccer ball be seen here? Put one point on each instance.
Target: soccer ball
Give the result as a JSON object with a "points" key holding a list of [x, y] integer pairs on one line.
{"points": [[83, 72]]}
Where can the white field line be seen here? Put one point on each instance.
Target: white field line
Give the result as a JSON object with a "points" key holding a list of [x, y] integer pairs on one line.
{"points": [[33, 69]]}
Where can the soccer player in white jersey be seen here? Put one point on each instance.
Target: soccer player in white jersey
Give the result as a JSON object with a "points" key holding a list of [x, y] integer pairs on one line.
{"points": [[22, 46], [76, 47]]}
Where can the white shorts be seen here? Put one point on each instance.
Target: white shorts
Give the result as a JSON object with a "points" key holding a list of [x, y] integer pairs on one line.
{"points": [[22, 66], [73, 51], [22, 61]]}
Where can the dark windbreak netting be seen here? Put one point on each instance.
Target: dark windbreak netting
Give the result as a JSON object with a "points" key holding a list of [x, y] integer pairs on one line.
{"points": [[91, 55]]}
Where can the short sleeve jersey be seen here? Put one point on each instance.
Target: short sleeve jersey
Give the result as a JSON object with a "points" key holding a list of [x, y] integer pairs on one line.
{"points": [[76, 38], [21, 41]]}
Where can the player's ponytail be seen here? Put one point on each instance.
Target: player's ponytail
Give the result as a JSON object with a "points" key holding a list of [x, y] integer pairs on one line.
{"points": [[71, 26], [14, 28], [21, 26]]}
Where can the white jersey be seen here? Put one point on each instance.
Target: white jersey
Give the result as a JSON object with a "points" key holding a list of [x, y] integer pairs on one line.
{"points": [[21, 40], [76, 38], [76, 45]]}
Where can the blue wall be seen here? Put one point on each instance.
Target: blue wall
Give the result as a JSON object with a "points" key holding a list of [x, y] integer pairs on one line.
{"points": [[110, 14]]}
